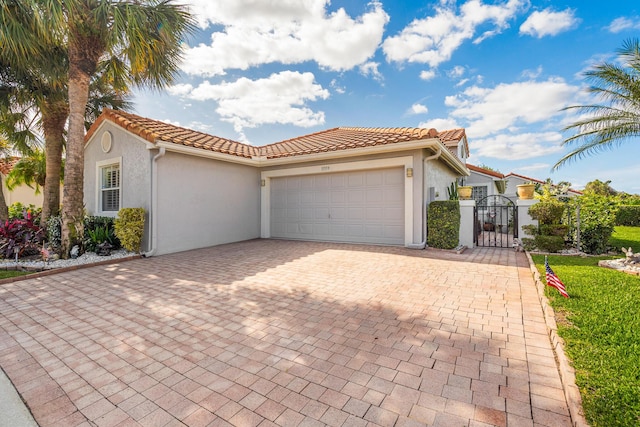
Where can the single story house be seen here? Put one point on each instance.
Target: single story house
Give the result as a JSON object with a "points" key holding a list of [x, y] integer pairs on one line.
{"points": [[486, 182], [347, 184]]}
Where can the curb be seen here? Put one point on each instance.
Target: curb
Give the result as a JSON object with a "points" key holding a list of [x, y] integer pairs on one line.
{"points": [[51, 271], [567, 372]]}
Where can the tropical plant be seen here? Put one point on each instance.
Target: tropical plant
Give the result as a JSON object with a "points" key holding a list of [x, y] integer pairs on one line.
{"points": [[140, 42], [617, 119], [452, 191], [30, 171], [18, 211], [20, 237]]}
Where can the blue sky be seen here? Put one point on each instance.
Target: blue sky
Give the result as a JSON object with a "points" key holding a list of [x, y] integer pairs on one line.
{"points": [[261, 71]]}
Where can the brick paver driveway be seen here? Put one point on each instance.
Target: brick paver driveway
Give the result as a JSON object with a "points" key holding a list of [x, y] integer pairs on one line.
{"points": [[285, 333]]}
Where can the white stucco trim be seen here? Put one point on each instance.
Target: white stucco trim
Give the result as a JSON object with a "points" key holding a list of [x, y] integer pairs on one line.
{"points": [[405, 161], [99, 166]]}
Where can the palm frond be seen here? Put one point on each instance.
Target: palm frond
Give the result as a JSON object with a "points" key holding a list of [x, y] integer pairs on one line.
{"points": [[616, 120]]}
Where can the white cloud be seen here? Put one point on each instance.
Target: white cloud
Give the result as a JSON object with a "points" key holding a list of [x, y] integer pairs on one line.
{"points": [[256, 32], [370, 69], [427, 74], [549, 23], [337, 87], [624, 23], [518, 146], [532, 74], [506, 106], [440, 124], [280, 98], [456, 72], [433, 40], [418, 109], [534, 167]]}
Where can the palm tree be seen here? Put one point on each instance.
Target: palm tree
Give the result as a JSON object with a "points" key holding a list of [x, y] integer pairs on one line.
{"points": [[142, 40], [617, 119], [33, 91], [34, 94]]}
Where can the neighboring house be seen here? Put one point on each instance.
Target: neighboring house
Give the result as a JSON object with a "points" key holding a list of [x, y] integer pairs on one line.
{"points": [[514, 179], [22, 193], [364, 185], [484, 184]]}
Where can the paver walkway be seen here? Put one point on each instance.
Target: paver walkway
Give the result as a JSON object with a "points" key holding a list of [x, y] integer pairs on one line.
{"points": [[267, 332]]}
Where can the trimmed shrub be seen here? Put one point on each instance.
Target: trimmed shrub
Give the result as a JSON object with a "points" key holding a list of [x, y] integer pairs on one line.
{"points": [[548, 211], [554, 229], [628, 215], [129, 226], [549, 243], [444, 224], [597, 220]]}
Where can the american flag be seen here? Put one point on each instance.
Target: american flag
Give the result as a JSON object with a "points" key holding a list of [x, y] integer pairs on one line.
{"points": [[553, 280]]}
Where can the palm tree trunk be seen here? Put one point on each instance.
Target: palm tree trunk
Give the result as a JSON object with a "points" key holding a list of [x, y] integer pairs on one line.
{"points": [[54, 118], [4, 210], [82, 63]]}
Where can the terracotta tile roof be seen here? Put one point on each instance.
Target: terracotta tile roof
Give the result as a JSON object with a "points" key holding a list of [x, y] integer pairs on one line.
{"points": [[485, 171], [7, 163], [153, 130], [342, 138]]}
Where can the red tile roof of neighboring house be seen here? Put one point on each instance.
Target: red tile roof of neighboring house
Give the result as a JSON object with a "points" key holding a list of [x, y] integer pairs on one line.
{"points": [[526, 178], [485, 171], [7, 163], [335, 139]]}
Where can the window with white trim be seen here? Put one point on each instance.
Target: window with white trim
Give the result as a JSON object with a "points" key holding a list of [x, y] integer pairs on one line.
{"points": [[109, 187], [479, 192]]}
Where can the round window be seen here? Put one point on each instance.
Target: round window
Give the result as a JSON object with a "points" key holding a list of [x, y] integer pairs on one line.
{"points": [[106, 142]]}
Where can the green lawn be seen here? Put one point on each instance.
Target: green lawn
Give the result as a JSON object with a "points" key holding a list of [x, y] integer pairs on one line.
{"points": [[623, 237], [600, 324], [4, 274]]}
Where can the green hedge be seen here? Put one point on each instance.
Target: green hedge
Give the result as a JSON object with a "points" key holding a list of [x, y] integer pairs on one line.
{"points": [[444, 224], [129, 226], [628, 215]]}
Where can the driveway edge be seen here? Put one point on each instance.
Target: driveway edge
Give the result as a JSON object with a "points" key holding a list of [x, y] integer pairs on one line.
{"points": [[51, 271], [567, 372]]}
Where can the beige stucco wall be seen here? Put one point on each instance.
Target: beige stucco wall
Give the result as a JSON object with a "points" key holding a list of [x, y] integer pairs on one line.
{"points": [[22, 193], [204, 202]]}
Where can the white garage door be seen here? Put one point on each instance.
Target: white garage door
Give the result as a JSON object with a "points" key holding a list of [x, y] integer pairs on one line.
{"points": [[359, 206]]}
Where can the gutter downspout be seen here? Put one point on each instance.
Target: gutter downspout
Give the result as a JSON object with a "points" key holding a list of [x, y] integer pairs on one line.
{"points": [[425, 188], [153, 191]]}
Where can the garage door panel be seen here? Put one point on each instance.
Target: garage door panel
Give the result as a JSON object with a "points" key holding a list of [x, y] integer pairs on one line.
{"points": [[338, 197], [391, 178], [321, 214], [355, 180], [357, 206], [374, 178], [338, 214]]}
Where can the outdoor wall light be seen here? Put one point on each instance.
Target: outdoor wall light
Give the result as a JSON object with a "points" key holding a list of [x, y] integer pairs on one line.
{"points": [[409, 172], [263, 183]]}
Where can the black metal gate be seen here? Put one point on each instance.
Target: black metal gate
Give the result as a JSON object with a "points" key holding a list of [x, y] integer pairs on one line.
{"points": [[496, 222]]}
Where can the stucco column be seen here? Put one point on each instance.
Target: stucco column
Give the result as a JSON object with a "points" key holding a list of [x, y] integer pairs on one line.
{"points": [[466, 222], [523, 215]]}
